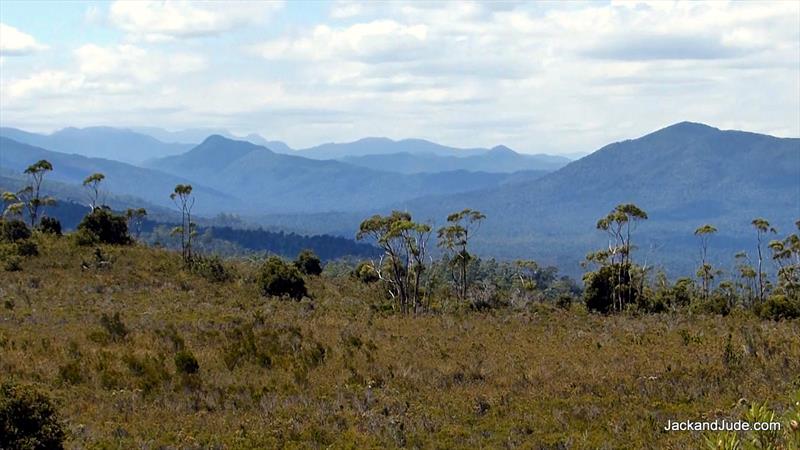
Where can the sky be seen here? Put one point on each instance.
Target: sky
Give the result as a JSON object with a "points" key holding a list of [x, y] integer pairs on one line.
{"points": [[560, 77]]}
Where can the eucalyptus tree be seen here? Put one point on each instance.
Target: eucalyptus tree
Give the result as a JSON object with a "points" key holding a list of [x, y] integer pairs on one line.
{"points": [[183, 199], [786, 253], [92, 185], [454, 238], [763, 228], [705, 271], [135, 218], [747, 275], [404, 245], [619, 224], [12, 206], [30, 198]]}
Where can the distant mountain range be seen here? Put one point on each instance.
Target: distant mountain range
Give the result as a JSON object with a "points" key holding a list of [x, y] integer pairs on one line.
{"points": [[271, 182], [499, 159], [684, 175], [121, 178], [99, 142], [140, 145]]}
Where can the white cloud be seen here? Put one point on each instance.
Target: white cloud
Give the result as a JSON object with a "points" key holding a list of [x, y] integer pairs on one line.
{"points": [[14, 42], [377, 39], [165, 20], [535, 76], [102, 74]]}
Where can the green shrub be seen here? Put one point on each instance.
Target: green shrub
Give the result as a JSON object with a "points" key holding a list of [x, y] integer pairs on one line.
{"points": [[714, 304], [27, 248], [186, 363], [308, 263], [103, 226], [278, 278], [114, 326], [211, 268], [50, 225], [12, 263], [365, 272], [13, 230], [779, 306], [70, 373], [601, 288], [28, 419]]}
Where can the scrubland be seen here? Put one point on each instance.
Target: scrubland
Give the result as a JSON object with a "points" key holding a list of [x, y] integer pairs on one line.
{"points": [[109, 334]]}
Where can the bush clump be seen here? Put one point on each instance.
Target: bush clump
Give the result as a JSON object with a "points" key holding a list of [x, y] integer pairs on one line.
{"points": [[114, 327], [365, 272], [308, 263], [278, 278], [13, 231], [779, 306], [103, 226], [211, 268], [50, 225], [27, 248], [186, 363], [28, 419]]}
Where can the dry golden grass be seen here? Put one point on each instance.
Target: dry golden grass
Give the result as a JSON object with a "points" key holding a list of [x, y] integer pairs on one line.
{"points": [[336, 372]]}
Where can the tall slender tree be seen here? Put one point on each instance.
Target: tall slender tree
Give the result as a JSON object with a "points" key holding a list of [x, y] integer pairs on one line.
{"points": [[135, 218], [620, 224], [182, 196], [455, 237], [705, 271], [31, 195], [763, 228], [92, 185]]}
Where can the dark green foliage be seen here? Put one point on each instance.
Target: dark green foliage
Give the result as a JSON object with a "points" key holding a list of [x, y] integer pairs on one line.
{"points": [[28, 420], [103, 226], [50, 225], [70, 373], [278, 278], [114, 326], [186, 363], [27, 248], [211, 268], [564, 301], [13, 230], [365, 272], [714, 304], [602, 285], [779, 306], [308, 263], [288, 244]]}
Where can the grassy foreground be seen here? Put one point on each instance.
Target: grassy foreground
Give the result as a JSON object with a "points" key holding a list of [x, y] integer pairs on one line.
{"points": [[337, 372]]}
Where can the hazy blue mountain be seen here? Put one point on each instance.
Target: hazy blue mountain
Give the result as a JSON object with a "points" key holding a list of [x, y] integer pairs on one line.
{"points": [[684, 176], [195, 136], [76, 194], [121, 178], [384, 146], [99, 142], [499, 159], [276, 183]]}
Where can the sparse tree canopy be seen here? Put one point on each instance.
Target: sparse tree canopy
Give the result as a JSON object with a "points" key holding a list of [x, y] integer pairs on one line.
{"points": [[455, 239], [404, 245], [92, 184], [30, 196], [182, 196]]}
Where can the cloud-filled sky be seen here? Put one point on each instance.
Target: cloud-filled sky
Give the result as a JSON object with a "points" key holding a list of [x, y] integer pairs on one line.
{"points": [[557, 77]]}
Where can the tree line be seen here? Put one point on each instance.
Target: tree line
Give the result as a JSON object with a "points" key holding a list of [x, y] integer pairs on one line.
{"points": [[408, 272]]}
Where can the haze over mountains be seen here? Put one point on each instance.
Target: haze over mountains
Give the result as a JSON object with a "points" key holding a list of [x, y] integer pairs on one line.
{"points": [[684, 176]]}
